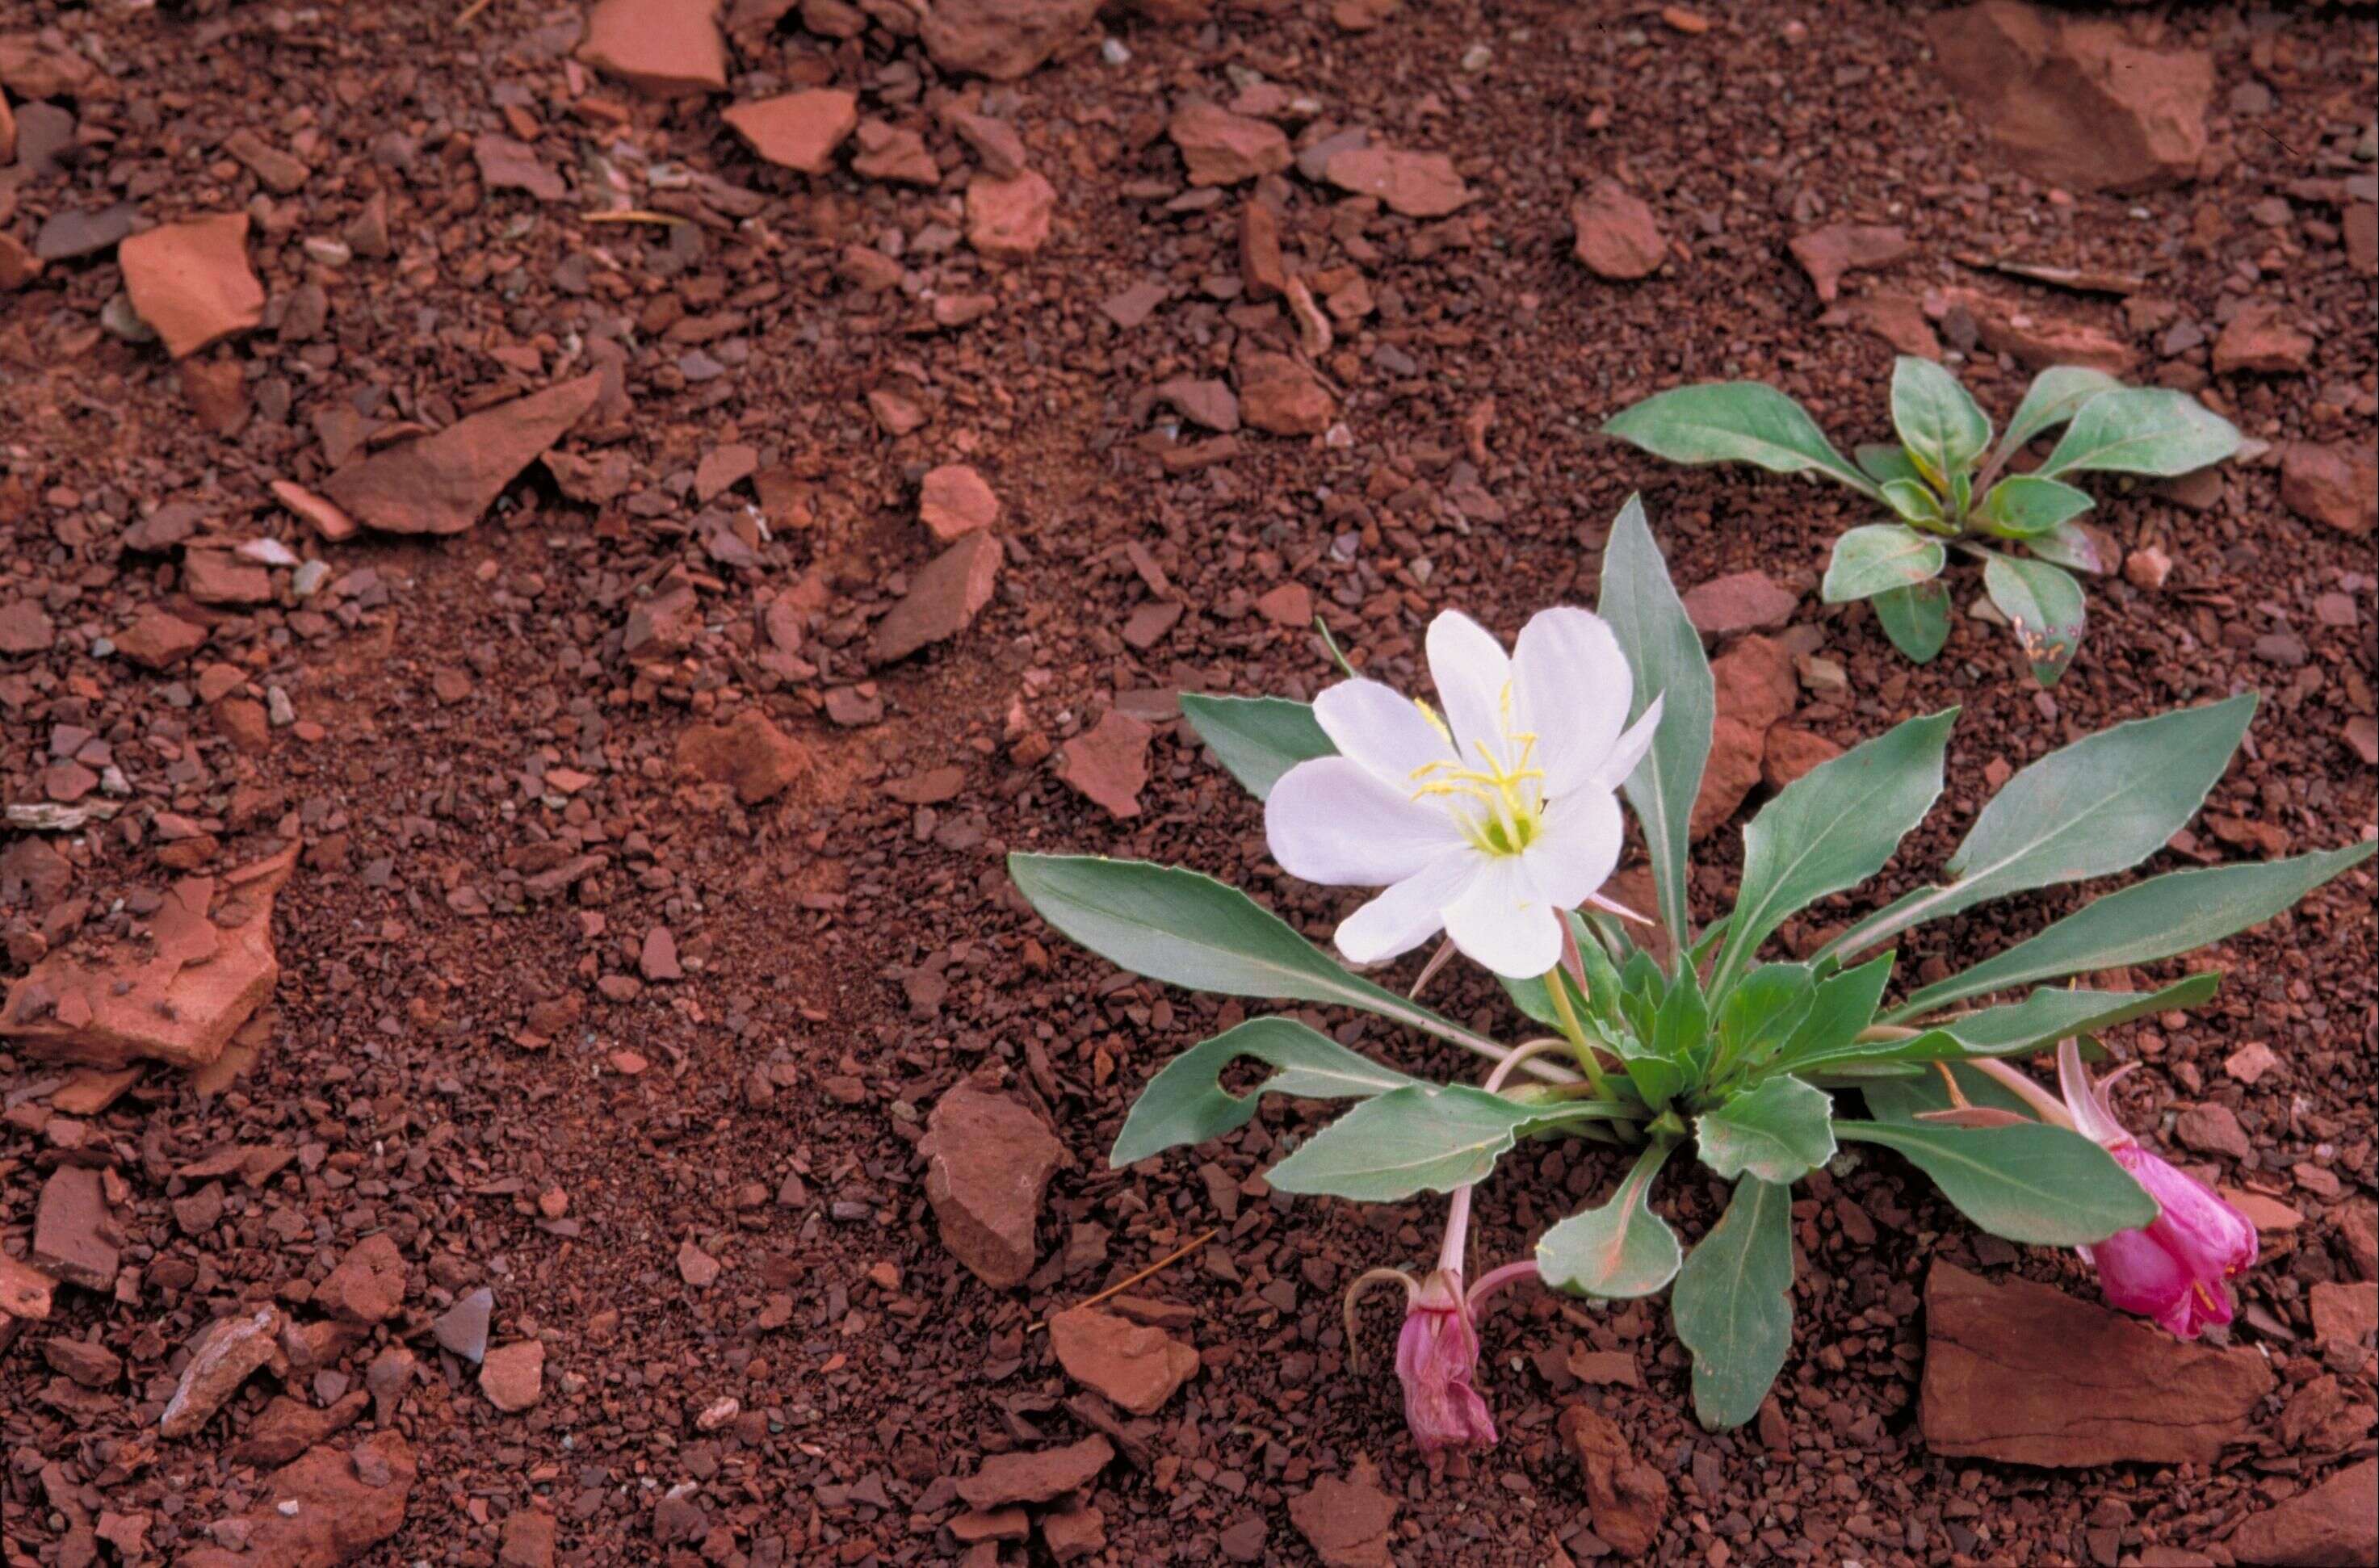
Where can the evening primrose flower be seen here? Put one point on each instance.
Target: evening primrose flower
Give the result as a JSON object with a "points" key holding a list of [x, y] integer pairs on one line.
{"points": [[1437, 1349], [2177, 1270], [1485, 822]]}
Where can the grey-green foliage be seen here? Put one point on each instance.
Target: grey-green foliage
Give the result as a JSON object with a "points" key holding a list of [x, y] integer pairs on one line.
{"points": [[1937, 487]]}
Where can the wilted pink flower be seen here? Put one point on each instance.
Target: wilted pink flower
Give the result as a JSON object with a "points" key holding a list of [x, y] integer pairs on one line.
{"points": [[1436, 1356], [2176, 1269]]}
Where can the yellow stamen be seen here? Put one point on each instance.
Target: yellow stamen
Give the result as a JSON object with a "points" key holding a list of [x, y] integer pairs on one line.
{"points": [[1509, 795]]}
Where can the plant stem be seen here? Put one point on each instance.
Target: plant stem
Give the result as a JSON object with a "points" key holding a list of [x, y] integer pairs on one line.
{"points": [[1577, 1032]]}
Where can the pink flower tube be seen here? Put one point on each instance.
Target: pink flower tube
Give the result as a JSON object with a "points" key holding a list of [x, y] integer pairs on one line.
{"points": [[2176, 1269], [1436, 1355]]}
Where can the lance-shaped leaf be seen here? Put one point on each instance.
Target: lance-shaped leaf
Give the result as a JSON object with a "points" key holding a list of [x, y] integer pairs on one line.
{"points": [[2076, 547], [2027, 505], [2046, 606], [2054, 1013], [1877, 558], [2035, 1184], [1257, 738], [1886, 461], [2056, 395], [1664, 654], [2150, 430], [1735, 422], [1186, 1104], [1779, 1131], [1187, 929], [1761, 1012], [1937, 420], [1620, 1250], [1732, 1304], [2146, 922], [1845, 1005], [2100, 806], [1419, 1137], [1916, 620], [1833, 827]]}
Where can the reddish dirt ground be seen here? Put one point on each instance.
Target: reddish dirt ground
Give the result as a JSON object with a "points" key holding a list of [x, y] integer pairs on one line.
{"points": [[484, 1066]]}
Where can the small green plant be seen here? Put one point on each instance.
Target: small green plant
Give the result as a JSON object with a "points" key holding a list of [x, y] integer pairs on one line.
{"points": [[1494, 817], [1947, 488]]}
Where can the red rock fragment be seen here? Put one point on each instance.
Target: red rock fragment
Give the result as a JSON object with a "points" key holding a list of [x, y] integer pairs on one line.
{"points": [[1289, 605], [512, 1376], [191, 281], [287, 1427], [1738, 602], [955, 500], [2258, 341], [527, 1541], [2025, 1374], [1109, 765], [1617, 235], [19, 266], [441, 482], [328, 520], [1789, 753], [1627, 1499], [1001, 38], [507, 164], [894, 154], [2336, 485], [944, 598], [1009, 219], [322, 1509], [988, 1159], [1419, 184], [1279, 395], [74, 1233], [2075, 102], [1043, 1475], [1134, 1366], [663, 47], [1261, 270], [797, 130], [2335, 1525], [215, 576], [1826, 254], [24, 627], [1346, 1523], [748, 753], [223, 1357], [1221, 148], [369, 1284]]}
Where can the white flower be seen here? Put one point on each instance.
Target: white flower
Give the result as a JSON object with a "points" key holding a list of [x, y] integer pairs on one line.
{"points": [[1487, 822]]}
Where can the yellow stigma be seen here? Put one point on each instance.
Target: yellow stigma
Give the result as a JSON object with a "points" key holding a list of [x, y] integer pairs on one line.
{"points": [[1507, 793]]}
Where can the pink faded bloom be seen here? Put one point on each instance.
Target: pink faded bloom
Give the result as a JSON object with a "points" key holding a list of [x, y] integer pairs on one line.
{"points": [[2176, 1269], [1437, 1354]]}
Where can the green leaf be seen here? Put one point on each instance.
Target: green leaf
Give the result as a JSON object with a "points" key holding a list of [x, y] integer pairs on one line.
{"points": [[2027, 505], [1903, 1100], [1833, 827], [1186, 929], [1916, 620], [1877, 558], [1937, 420], [1734, 422], [2035, 1184], [2054, 1013], [1186, 1103], [2100, 806], [1620, 1250], [1680, 1029], [1664, 653], [1915, 501], [1886, 461], [1779, 1131], [2146, 922], [1845, 1005], [2073, 546], [1761, 1012], [2045, 603], [2055, 396], [1419, 1138], [2151, 430], [1257, 738], [1732, 1304]]}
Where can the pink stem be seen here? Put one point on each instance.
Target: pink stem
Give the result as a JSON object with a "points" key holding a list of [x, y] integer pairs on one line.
{"points": [[1496, 1279], [1458, 1232], [2051, 1110]]}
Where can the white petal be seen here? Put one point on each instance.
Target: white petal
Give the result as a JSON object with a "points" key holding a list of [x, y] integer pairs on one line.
{"points": [[1579, 848], [1474, 677], [1335, 822], [1500, 920], [1381, 729], [1619, 764], [1409, 913], [1571, 688]]}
